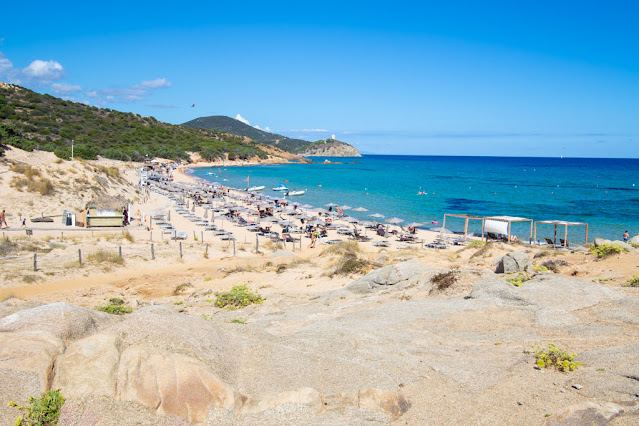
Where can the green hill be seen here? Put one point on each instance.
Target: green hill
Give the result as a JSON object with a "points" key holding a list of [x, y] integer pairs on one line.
{"points": [[30, 120], [235, 127]]}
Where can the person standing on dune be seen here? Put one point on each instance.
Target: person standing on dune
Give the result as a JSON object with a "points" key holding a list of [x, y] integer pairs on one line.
{"points": [[3, 219]]}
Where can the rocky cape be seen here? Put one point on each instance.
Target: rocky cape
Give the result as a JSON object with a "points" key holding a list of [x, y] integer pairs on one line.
{"points": [[331, 148]]}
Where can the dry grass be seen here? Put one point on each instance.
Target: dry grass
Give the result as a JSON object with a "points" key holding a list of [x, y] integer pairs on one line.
{"points": [[181, 288], [444, 280], [105, 257]]}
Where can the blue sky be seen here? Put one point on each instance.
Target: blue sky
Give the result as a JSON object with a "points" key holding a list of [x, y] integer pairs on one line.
{"points": [[434, 78]]}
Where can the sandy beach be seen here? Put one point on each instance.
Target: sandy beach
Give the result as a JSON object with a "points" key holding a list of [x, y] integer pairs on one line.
{"points": [[433, 354]]}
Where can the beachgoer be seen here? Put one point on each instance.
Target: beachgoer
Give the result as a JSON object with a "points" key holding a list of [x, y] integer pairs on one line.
{"points": [[314, 234], [24, 222], [138, 215], [3, 219], [626, 236], [513, 238]]}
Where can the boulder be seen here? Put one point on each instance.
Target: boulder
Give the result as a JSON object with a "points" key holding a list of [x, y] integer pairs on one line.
{"points": [[67, 322], [514, 262], [170, 383], [601, 241], [388, 276], [30, 353], [392, 403], [89, 367], [634, 240], [586, 413]]}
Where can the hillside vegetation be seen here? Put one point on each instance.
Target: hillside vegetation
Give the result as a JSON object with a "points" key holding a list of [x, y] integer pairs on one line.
{"points": [[29, 120], [235, 127]]}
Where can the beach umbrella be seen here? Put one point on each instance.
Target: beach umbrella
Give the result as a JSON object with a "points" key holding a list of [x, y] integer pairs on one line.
{"points": [[323, 211], [394, 220], [345, 207], [377, 215], [306, 206], [351, 220], [360, 209], [330, 205]]}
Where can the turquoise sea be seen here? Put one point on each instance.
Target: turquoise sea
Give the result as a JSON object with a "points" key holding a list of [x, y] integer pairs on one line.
{"points": [[602, 192]]}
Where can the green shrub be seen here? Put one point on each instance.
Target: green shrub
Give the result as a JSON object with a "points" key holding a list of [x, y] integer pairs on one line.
{"points": [[606, 249], [476, 243], [41, 411], [540, 268], [555, 357], [180, 288], [116, 306], [7, 246], [519, 280], [633, 281], [239, 296]]}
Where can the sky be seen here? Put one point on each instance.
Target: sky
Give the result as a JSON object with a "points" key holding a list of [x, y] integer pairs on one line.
{"points": [[509, 78]]}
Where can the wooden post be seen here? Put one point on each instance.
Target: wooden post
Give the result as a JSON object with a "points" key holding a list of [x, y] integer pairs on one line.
{"points": [[151, 235], [180, 249], [120, 251], [152, 252], [257, 243], [566, 237], [80, 256], [234, 247], [531, 228], [206, 251], [483, 228], [586, 240], [194, 237], [62, 237], [35, 261], [202, 232], [535, 237]]}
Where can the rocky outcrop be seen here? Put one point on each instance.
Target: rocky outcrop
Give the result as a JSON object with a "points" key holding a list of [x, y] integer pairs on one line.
{"points": [[331, 148], [514, 262], [401, 273], [587, 413]]}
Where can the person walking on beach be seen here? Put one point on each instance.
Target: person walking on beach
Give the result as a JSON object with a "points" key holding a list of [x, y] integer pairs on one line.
{"points": [[3, 219], [626, 236], [138, 215], [313, 238]]}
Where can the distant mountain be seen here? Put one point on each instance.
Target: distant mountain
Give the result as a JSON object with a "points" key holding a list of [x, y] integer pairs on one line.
{"points": [[222, 123], [327, 148]]}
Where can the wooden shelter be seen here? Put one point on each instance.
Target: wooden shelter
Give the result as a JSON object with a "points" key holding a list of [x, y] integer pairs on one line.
{"points": [[106, 211], [467, 217], [509, 220], [565, 224]]}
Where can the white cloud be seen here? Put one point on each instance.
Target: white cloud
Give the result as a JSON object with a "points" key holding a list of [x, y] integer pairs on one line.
{"points": [[268, 129], [92, 94], [314, 130], [44, 71], [242, 119], [158, 83], [64, 88]]}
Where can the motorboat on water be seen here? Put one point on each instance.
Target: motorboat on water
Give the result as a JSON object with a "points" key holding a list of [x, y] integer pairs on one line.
{"points": [[295, 193], [255, 188], [282, 187]]}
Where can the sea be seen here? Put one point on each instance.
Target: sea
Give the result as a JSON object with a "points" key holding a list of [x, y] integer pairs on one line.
{"points": [[602, 192]]}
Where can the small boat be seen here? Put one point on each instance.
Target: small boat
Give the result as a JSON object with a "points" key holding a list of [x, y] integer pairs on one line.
{"points": [[281, 188], [255, 188], [211, 173], [295, 193]]}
